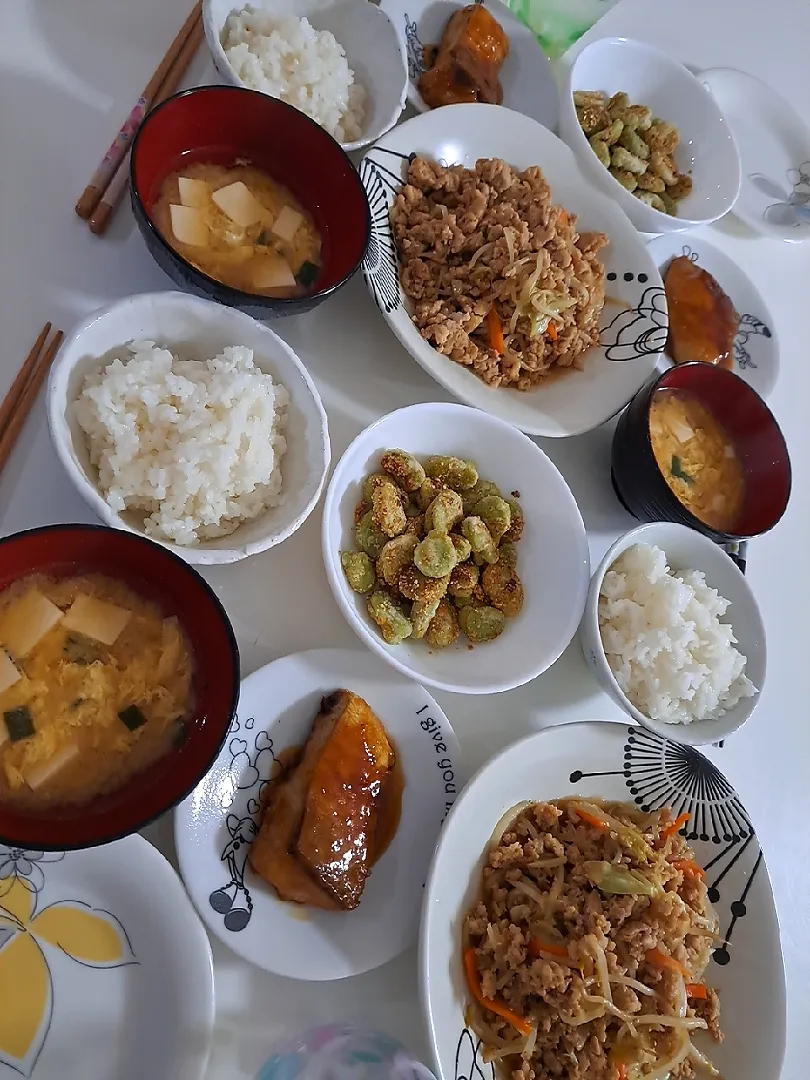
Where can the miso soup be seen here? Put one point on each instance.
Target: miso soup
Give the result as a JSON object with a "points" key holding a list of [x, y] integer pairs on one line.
{"points": [[697, 458], [237, 225], [95, 686]]}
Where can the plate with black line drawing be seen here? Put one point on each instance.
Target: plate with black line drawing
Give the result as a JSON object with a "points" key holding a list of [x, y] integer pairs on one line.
{"points": [[633, 323], [105, 969], [526, 76], [755, 355], [600, 759], [219, 822]]}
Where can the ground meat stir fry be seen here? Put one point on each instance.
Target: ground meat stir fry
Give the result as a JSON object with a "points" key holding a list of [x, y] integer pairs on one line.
{"points": [[501, 280], [585, 955]]}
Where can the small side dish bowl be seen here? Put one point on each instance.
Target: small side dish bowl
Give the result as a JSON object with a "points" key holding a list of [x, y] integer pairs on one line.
{"points": [[685, 550], [158, 575], [373, 51], [706, 150], [226, 124], [194, 329], [553, 561], [743, 416]]}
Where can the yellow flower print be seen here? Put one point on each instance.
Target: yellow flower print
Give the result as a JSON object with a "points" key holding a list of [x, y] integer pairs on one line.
{"points": [[89, 936]]}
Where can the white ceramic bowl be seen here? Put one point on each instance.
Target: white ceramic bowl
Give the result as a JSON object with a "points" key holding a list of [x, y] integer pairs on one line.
{"points": [[633, 327], [527, 77], [553, 560], [685, 550], [707, 149], [374, 51], [196, 329]]}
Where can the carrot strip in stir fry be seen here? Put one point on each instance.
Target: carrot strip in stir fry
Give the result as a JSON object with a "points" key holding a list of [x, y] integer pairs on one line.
{"points": [[495, 330], [689, 867], [675, 826], [697, 990], [552, 332], [537, 948], [590, 819], [471, 971], [660, 959]]}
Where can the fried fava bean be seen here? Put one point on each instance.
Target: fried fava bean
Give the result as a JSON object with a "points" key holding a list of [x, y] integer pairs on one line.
{"points": [[443, 629], [633, 142], [651, 199], [515, 530], [422, 614], [368, 537], [387, 511], [619, 100], [588, 97], [650, 182], [503, 588], [681, 188], [593, 117], [602, 151], [371, 483], [435, 556], [359, 571], [662, 136], [463, 580], [627, 162], [507, 554], [628, 180], [462, 546], [481, 542], [612, 133], [414, 585], [662, 165], [395, 556], [404, 468], [394, 625], [481, 624], [478, 491], [496, 514], [445, 511], [452, 471], [427, 492]]}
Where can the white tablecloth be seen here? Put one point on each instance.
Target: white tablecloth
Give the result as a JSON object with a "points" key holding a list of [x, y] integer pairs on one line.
{"points": [[69, 72]]}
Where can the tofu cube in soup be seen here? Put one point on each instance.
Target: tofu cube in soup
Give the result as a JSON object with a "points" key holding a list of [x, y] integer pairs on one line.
{"points": [[27, 622], [239, 203], [188, 226], [9, 674], [96, 619], [193, 192]]}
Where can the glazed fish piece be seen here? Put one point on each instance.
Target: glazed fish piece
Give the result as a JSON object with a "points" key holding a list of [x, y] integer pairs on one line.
{"points": [[336, 839], [702, 320]]}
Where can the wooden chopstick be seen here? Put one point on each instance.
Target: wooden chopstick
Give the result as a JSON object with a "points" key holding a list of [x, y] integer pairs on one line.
{"points": [[23, 393], [100, 217], [111, 160]]}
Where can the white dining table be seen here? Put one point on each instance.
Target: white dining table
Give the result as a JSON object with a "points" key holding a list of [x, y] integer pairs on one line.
{"points": [[69, 72]]}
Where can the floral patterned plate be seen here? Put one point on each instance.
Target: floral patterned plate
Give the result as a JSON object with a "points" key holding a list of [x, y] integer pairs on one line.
{"points": [[216, 825], [629, 764], [756, 347], [634, 319], [774, 147], [105, 969]]}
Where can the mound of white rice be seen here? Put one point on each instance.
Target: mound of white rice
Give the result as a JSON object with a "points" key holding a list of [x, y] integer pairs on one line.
{"points": [[664, 641], [196, 444], [289, 59]]}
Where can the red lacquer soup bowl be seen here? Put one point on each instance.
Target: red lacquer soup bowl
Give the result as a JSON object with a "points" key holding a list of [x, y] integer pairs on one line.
{"points": [[223, 125], [158, 575]]}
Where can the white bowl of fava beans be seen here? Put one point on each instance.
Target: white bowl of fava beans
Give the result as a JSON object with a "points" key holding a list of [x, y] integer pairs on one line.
{"points": [[552, 553]]}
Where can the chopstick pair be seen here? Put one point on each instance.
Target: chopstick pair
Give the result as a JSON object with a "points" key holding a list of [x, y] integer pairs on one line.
{"points": [[107, 184], [23, 393]]}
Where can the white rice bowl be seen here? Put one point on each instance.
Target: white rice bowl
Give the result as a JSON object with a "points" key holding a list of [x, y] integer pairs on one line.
{"points": [[665, 643], [196, 445], [287, 58]]}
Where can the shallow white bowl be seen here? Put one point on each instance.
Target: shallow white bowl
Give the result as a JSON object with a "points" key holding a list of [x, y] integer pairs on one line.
{"points": [[527, 78], [650, 77], [633, 327], [196, 329], [553, 560], [374, 51], [685, 550]]}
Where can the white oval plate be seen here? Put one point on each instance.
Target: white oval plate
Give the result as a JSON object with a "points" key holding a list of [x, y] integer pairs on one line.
{"points": [[634, 329], [526, 76], [756, 347], [553, 558], [774, 146], [611, 761], [216, 824], [105, 969]]}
